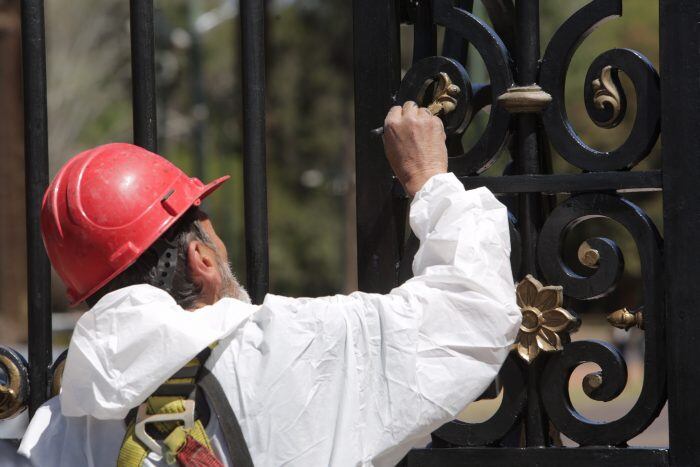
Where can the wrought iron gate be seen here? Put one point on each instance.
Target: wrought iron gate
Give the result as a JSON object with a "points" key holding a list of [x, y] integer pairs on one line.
{"points": [[527, 114]]}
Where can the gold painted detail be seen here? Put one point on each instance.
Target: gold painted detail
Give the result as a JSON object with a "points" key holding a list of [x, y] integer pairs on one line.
{"points": [[57, 379], [625, 319], [444, 96], [591, 382], [544, 319], [525, 99], [10, 403], [605, 93], [588, 256]]}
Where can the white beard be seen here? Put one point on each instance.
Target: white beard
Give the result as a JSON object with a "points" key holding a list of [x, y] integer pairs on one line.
{"points": [[230, 287]]}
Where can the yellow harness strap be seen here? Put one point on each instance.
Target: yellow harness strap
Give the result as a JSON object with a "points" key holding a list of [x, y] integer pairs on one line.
{"points": [[133, 451]]}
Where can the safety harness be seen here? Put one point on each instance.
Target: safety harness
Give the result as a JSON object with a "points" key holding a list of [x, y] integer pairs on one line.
{"points": [[176, 414]]}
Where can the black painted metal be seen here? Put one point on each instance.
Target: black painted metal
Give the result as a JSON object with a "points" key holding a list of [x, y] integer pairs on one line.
{"points": [[143, 74], [527, 51], [533, 457], [254, 164], [36, 155], [377, 75], [622, 182], [680, 56], [199, 107], [536, 405]]}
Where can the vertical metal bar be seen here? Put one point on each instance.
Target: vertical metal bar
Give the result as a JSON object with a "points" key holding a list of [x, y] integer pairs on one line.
{"points": [[424, 32], [252, 14], [36, 159], [377, 76], [529, 212], [680, 100], [143, 74], [199, 109]]}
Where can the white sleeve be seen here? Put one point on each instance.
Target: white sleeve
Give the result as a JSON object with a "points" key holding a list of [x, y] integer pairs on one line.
{"points": [[446, 332], [355, 379]]}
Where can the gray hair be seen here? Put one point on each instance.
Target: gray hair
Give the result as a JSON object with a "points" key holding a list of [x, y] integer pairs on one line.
{"points": [[146, 269]]}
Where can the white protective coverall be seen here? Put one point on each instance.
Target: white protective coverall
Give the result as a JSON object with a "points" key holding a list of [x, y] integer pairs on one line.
{"points": [[334, 381]]}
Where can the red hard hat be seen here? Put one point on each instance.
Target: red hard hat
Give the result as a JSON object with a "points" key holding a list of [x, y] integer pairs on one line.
{"points": [[106, 206]]}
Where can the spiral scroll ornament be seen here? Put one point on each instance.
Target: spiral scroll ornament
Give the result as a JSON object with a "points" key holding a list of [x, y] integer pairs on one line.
{"points": [[604, 96], [611, 380]]}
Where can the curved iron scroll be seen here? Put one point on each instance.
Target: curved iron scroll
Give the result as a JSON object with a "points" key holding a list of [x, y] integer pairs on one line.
{"points": [[513, 382], [497, 60], [555, 380], [604, 95]]}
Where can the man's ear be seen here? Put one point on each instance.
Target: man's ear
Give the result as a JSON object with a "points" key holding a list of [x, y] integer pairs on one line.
{"points": [[202, 266]]}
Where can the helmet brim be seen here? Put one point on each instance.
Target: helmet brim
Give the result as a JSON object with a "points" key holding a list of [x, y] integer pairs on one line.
{"points": [[213, 186]]}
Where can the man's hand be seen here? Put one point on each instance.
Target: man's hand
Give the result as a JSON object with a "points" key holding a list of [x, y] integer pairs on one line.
{"points": [[414, 141]]}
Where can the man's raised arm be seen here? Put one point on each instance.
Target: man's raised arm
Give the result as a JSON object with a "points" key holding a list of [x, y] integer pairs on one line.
{"points": [[357, 378], [441, 337]]}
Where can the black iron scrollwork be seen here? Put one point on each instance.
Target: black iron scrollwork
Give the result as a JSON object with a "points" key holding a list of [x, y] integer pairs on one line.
{"points": [[535, 388], [513, 382], [613, 376], [604, 95], [495, 55]]}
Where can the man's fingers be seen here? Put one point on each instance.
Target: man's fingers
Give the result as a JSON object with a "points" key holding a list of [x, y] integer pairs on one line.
{"points": [[393, 116], [410, 108]]}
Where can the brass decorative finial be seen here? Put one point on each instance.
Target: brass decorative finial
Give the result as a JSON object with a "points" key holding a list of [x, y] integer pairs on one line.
{"points": [[625, 319], [444, 96], [605, 93], [544, 319], [525, 99]]}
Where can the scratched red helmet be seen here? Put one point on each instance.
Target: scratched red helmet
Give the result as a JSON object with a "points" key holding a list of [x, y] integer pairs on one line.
{"points": [[106, 206]]}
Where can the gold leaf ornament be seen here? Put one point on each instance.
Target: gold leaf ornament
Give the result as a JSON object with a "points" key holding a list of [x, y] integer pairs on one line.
{"points": [[544, 319]]}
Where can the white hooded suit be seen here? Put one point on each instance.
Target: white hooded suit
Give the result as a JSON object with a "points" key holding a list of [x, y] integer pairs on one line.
{"points": [[333, 381]]}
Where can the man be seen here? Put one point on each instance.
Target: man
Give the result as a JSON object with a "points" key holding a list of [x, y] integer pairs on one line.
{"points": [[334, 381]]}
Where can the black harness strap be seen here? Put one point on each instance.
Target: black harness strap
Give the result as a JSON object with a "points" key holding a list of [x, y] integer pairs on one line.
{"points": [[211, 399], [233, 436]]}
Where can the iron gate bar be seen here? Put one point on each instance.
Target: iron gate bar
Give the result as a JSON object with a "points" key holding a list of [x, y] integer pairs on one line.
{"points": [[622, 182], [680, 120], [377, 75], [36, 159], [527, 52], [538, 457], [252, 13], [143, 74], [198, 102]]}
